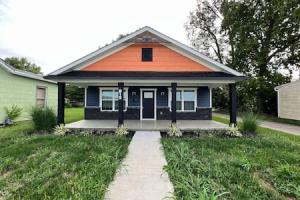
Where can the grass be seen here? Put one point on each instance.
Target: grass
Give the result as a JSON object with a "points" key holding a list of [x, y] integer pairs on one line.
{"points": [[57, 167], [73, 114], [263, 167], [270, 118]]}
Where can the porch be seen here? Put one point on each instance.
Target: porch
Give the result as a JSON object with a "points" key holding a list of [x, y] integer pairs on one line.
{"points": [[153, 125]]}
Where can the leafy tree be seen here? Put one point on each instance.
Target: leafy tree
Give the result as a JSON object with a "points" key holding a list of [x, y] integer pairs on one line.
{"points": [[260, 38], [23, 64], [75, 94]]}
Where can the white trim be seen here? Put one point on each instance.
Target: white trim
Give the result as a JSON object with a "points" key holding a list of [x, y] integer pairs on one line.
{"points": [[278, 103], [182, 101], [26, 74], [141, 102], [113, 100], [85, 97], [210, 97], [176, 44]]}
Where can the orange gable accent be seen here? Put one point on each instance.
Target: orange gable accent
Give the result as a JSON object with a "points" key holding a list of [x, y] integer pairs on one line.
{"points": [[130, 59]]}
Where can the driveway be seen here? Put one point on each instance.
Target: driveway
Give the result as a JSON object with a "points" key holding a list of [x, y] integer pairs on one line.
{"points": [[288, 128]]}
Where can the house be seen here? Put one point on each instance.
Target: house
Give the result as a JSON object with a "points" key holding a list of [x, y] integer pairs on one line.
{"points": [[25, 90], [288, 100], [147, 76]]}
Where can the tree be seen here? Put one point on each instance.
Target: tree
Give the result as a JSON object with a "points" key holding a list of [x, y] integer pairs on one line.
{"points": [[23, 64], [260, 38], [75, 94]]}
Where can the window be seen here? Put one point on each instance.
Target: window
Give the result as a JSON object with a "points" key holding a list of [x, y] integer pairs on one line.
{"points": [[41, 96], [185, 99], [110, 99], [146, 54]]}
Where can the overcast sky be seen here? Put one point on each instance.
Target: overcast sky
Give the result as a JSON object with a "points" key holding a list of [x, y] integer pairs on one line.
{"points": [[53, 33]]}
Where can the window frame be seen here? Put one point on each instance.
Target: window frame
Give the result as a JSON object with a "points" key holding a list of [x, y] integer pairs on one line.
{"points": [[113, 98], [46, 95], [182, 99], [142, 57]]}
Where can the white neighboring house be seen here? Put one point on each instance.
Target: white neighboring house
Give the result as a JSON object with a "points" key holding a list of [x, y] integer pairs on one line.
{"points": [[288, 96]]}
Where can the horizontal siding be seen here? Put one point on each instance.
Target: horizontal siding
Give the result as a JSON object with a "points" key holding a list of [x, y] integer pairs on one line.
{"points": [[289, 102], [203, 97], [162, 97], [134, 96], [92, 98]]}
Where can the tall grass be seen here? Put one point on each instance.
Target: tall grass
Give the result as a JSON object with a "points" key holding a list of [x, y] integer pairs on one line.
{"points": [[249, 123], [44, 119]]}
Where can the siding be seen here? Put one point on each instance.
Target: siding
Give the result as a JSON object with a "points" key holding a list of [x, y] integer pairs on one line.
{"points": [[134, 96], [289, 102], [21, 91], [203, 97], [162, 97], [92, 96], [164, 60]]}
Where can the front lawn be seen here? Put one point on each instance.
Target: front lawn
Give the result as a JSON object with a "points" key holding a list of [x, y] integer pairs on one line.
{"points": [[73, 114], [56, 167], [263, 167]]}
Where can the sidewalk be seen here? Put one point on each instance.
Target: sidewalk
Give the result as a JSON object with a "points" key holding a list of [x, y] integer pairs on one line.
{"points": [[141, 175]]}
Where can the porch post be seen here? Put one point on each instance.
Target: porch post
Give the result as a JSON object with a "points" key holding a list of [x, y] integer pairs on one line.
{"points": [[120, 103], [232, 104], [173, 102], [61, 103]]}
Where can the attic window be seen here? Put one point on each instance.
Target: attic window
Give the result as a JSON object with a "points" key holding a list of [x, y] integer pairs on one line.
{"points": [[146, 54]]}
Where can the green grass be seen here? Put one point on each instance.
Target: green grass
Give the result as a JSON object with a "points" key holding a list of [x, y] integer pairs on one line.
{"points": [[263, 167], [57, 167], [73, 114]]}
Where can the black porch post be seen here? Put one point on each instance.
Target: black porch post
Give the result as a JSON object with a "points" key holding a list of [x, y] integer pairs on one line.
{"points": [[173, 102], [232, 104], [61, 103], [120, 103]]}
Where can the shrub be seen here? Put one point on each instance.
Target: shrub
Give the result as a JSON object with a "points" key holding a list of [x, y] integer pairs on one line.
{"points": [[60, 130], [44, 119], [122, 130], [13, 112], [233, 132], [249, 123], [174, 131]]}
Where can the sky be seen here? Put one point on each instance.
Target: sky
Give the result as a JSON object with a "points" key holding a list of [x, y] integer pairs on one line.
{"points": [[53, 33]]}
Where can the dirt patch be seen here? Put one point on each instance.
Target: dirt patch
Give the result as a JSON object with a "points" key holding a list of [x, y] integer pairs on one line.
{"points": [[268, 186]]}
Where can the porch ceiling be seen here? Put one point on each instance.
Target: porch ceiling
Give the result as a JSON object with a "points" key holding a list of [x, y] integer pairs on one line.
{"points": [[136, 125]]}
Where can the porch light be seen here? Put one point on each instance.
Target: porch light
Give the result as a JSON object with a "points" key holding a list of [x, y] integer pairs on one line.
{"points": [[133, 93], [162, 93]]}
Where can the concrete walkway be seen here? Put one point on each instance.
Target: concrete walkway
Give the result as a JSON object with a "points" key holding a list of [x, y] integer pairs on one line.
{"points": [[288, 128], [141, 175]]}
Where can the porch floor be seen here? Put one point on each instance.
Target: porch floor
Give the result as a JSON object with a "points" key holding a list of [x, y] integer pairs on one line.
{"points": [[153, 125]]}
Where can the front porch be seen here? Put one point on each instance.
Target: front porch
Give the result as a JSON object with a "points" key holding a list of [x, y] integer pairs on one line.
{"points": [[151, 125]]}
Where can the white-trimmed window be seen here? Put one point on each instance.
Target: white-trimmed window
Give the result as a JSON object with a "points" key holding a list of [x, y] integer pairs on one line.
{"points": [[41, 96], [109, 98], [186, 99]]}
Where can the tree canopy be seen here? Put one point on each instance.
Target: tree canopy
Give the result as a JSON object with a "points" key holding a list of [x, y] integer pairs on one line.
{"points": [[23, 64], [260, 38]]}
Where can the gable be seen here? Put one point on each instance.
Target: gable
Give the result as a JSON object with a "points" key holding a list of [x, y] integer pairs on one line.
{"points": [[130, 59]]}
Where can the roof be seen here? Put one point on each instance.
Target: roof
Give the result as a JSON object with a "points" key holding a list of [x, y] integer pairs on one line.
{"points": [[128, 39], [23, 73], [287, 85], [94, 75]]}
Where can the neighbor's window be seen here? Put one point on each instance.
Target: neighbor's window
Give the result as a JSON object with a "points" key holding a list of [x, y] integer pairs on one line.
{"points": [[110, 99], [185, 100], [41, 96], [147, 54]]}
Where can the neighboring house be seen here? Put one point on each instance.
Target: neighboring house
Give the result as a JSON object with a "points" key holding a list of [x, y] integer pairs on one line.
{"points": [[25, 90], [288, 101], [155, 76]]}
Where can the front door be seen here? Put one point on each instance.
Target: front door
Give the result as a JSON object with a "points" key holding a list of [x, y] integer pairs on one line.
{"points": [[148, 105]]}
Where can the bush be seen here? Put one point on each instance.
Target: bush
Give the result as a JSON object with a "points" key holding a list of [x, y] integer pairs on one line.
{"points": [[122, 130], [60, 130], [13, 112], [249, 123], [44, 119], [174, 131]]}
